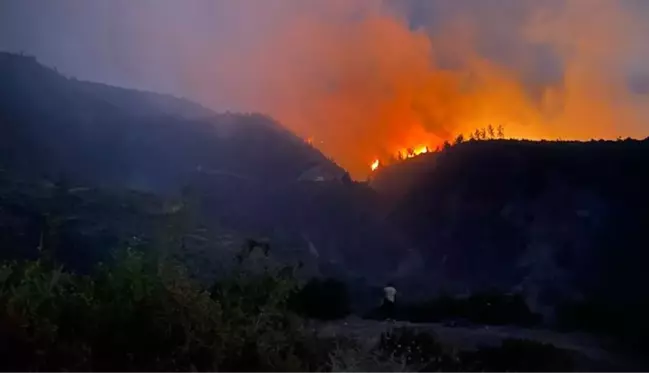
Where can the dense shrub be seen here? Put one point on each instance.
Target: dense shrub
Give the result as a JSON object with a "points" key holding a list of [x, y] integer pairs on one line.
{"points": [[144, 315], [128, 317], [326, 299]]}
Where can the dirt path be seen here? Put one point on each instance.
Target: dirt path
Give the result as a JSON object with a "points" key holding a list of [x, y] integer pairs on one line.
{"points": [[591, 353]]}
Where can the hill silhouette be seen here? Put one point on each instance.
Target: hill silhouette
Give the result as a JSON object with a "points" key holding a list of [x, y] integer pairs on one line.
{"points": [[245, 172], [112, 136], [560, 222]]}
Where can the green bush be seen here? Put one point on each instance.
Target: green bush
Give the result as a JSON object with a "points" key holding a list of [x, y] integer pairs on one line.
{"points": [[142, 314], [133, 316]]}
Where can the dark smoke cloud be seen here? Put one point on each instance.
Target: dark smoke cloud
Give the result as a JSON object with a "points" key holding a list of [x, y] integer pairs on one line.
{"points": [[364, 77]]}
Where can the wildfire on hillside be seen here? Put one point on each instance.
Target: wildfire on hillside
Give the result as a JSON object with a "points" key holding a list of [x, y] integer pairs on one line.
{"points": [[489, 132], [405, 153], [410, 152], [368, 87]]}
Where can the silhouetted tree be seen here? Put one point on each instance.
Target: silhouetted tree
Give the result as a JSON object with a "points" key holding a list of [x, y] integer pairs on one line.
{"points": [[411, 152], [482, 134], [459, 139], [501, 131], [491, 132], [476, 134], [447, 145]]}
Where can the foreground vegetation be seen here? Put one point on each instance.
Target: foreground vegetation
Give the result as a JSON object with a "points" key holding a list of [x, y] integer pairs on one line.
{"points": [[143, 314]]}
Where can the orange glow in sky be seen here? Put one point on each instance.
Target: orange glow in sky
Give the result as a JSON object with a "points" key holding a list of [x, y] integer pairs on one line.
{"points": [[367, 85]]}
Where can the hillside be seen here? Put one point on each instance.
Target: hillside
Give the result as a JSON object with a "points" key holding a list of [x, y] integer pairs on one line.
{"points": [[113, 136], [558, 221], [246, 173]]}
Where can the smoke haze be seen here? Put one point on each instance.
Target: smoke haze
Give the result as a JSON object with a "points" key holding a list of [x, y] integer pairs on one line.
{"points": [[364, 78]]}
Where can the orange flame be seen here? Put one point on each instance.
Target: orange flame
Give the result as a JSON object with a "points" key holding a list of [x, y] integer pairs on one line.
{"points": [[412, 152], [404, 153], [375, 164]]}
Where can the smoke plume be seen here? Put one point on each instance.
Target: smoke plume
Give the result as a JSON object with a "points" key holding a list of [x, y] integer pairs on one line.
{"points": [[366, 78]]}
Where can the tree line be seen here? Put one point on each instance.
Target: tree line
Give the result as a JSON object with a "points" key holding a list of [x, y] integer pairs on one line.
{"points": [[480, 134]]}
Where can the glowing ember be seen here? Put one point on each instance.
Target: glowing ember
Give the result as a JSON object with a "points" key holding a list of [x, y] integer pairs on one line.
{"points": [[374, 165]]}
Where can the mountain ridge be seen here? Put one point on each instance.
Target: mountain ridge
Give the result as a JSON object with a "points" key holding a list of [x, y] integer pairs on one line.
{"points": [[96, 119]]}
